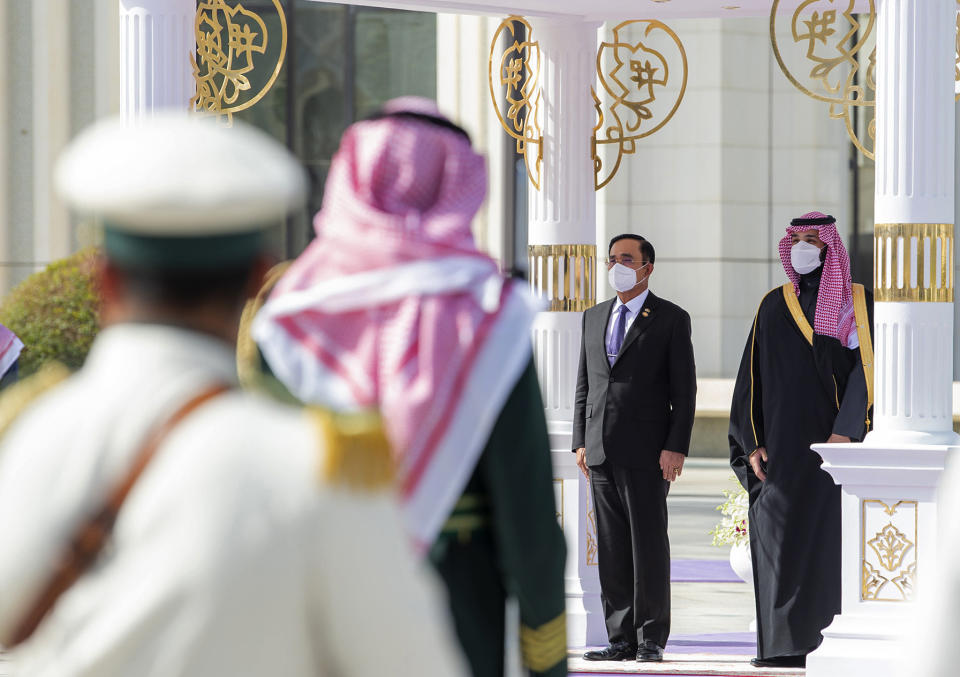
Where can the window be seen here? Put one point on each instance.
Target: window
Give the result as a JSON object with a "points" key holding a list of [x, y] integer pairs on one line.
{"points": [[342, 63]]}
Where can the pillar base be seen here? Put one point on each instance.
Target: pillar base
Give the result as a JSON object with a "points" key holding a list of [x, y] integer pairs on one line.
{"points": [[859, 646], [889, 543], [585, 625]]}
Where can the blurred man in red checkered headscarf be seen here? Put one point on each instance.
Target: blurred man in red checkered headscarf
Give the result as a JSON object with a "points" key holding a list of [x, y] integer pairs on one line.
{"points": [[393, 307], [806, 377]]}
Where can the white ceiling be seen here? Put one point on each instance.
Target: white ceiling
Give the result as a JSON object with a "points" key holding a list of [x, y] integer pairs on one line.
{"points": [[608, 9]]}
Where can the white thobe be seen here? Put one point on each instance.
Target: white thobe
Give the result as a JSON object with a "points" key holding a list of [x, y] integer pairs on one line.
{"points": [[229, 557]]}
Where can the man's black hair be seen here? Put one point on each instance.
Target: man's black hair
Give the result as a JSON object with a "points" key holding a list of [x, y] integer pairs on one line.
{"points": [[187, 289], [646, 249]]}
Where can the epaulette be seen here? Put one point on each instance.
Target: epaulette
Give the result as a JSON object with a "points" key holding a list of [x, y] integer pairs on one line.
{"points": [[355, 453], [17, 397], [248, 357]]}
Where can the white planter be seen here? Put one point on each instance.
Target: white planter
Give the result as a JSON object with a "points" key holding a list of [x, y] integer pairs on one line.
{"points": [[741, 562]]}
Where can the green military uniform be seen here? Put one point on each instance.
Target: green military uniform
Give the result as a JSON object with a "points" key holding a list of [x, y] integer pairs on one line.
{"points": [[494, 544]]}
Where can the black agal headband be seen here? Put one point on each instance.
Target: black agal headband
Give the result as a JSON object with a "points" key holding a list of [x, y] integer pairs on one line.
{"points": [[422, 117], [819, 221]]}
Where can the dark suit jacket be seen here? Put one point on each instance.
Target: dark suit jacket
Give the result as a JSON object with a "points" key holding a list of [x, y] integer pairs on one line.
{"points": [[645, 402]]}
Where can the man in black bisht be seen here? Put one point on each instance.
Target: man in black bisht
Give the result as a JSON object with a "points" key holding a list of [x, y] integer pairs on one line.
{"points": [[805, 378]]}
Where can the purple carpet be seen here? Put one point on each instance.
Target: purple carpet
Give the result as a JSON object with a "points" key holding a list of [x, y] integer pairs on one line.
{"points": [[702, 571], [719, 643]]}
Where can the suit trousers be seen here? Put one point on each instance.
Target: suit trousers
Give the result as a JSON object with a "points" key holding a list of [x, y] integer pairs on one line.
{"points": [[633, 551]]}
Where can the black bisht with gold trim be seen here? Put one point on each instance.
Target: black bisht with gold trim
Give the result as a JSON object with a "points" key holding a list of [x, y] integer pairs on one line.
{"points": [[796, 388]]}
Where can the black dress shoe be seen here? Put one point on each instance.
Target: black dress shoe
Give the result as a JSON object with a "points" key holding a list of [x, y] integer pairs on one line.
{"points": [[780, 662], [618, 651], [649, 652]]}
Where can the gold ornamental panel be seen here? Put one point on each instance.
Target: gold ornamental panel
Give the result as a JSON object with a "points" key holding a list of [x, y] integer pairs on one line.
{"points": [[513, 73], [888, 550], [642, 71], [231, 42], [831, 56], [565, 274], [558, 498], [913, 262], [592, 550]]}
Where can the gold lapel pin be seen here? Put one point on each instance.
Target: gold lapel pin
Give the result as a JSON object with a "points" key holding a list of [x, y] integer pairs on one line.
{"points": [[646, 312]]}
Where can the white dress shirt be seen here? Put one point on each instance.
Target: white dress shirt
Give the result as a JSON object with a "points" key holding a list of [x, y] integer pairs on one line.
{"points": [[634, 306]]}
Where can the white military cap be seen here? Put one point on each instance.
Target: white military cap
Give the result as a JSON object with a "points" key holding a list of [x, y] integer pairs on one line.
{"points": [[180, 190]]}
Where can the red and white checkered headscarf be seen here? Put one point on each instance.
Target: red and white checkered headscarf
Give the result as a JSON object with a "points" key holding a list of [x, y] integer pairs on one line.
{"points": [[834, 316], [10, 349], [393, 306]]}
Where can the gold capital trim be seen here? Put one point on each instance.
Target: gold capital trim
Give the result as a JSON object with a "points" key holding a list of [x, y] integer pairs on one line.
{"points": [[913, 262], [565, 274]]}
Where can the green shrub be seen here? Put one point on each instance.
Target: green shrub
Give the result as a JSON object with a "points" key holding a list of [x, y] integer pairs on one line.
{"points": [[55, 312]]}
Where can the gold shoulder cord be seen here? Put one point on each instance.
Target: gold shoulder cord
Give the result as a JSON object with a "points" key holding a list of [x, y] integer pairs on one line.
{"points": [[866, 343], [790, 296], [356, 453], [248, 360], [17, 397]]}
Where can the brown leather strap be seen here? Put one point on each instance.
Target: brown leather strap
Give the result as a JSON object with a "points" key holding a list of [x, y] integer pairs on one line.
{"points": [[92, 535]]}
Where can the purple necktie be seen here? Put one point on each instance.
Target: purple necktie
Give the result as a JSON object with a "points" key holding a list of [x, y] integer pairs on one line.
{"points": [[618, 331]]}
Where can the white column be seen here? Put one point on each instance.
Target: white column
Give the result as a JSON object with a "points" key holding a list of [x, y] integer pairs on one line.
{"points": [[463, 45], [562, 236], [51, 125], [156, 41], [889, 511], [5, 155]]}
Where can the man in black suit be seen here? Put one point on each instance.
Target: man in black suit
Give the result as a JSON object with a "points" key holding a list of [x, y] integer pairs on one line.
{"points": [[635, 402]]}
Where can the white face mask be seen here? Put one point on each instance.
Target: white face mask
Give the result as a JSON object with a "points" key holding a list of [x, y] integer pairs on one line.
{"points": [[624, 279], [804, 257]]}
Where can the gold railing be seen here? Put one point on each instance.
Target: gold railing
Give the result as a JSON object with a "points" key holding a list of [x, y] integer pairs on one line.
{"points": [[231, 43], [913, 262], [513, 73], [642, 70], [564, 274], [837, 48]]}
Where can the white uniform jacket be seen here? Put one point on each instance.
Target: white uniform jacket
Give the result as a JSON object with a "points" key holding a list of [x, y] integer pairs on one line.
{"points": [[228, 558]]}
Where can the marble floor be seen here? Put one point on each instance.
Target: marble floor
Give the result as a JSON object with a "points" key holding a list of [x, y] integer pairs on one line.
{"points": [[712, 609]]}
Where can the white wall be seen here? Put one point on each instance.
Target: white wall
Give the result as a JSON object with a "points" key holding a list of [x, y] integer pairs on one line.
{"points": [[58, 69], [714, 189]]}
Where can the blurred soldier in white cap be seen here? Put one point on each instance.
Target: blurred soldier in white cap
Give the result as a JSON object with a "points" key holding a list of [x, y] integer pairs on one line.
{"points": [[158, 521]]}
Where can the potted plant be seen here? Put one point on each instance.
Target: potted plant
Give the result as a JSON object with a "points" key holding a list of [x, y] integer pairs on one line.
{"points": [[733, 530]]}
